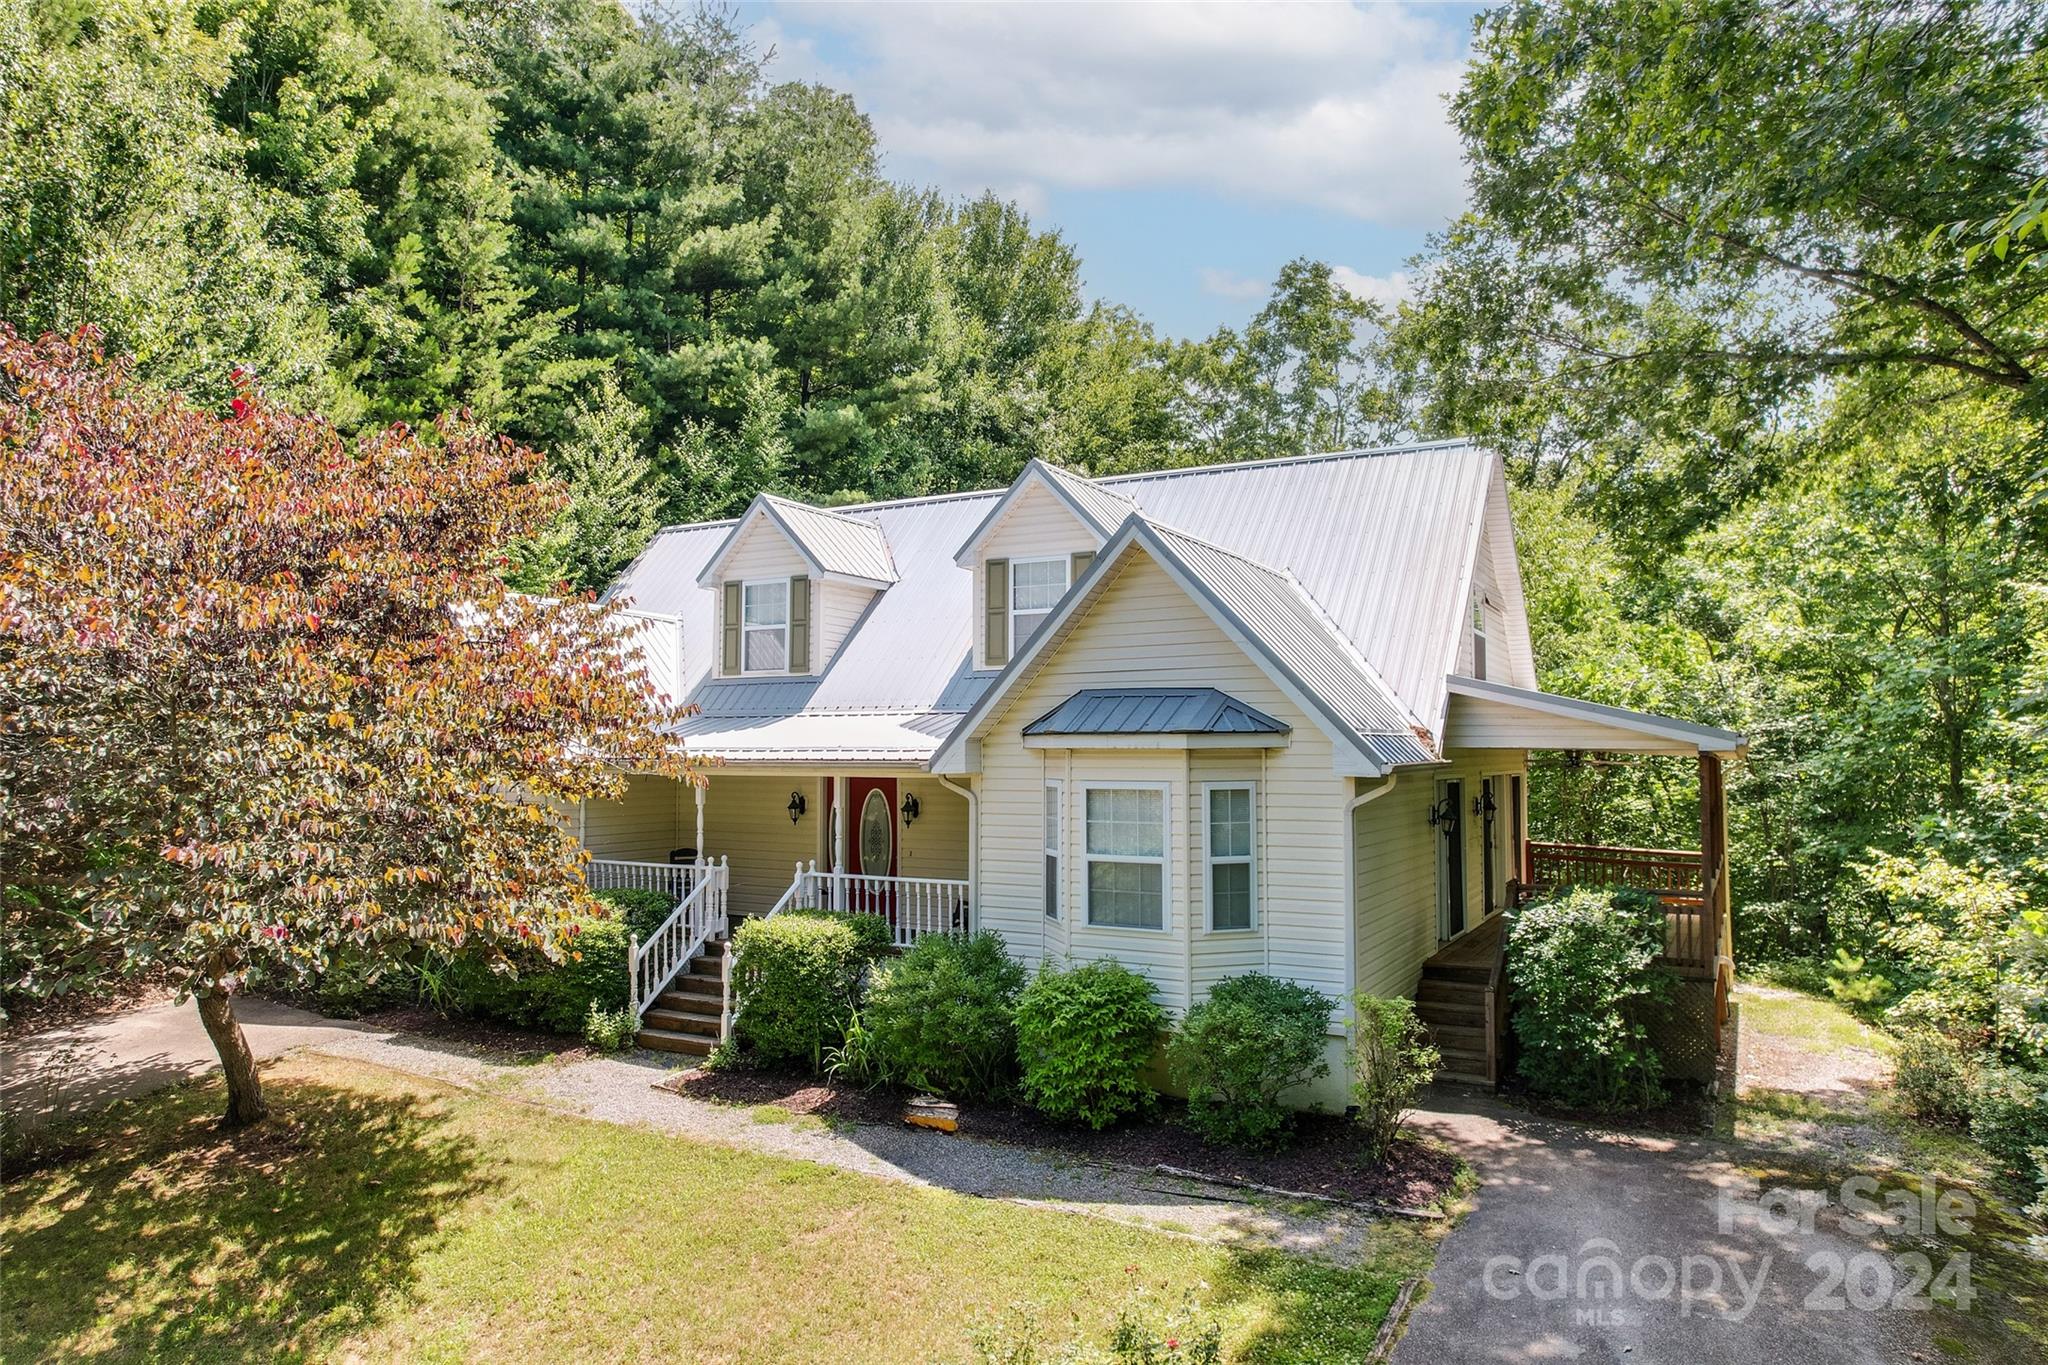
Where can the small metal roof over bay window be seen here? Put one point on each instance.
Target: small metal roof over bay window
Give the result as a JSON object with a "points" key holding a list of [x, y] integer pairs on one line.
{"points": [[1149, 716]]}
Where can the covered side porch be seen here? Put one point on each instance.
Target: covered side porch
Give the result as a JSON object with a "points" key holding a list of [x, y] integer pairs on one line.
{"points": [[1465, 980]]}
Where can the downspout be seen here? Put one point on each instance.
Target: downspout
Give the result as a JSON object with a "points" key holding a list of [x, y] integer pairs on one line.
{"points": [[1351, 807], [973, 844]]}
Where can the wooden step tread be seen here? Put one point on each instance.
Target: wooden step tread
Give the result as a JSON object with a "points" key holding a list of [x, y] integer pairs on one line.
{"points": [[661, 1040], [690, 1000], [682, 1021]]}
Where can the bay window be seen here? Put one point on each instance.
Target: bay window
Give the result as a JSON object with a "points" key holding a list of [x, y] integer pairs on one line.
{"points": [[1124, 846]]}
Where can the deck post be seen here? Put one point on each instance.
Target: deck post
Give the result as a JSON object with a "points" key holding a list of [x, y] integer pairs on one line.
{"points": [[700, 786]]}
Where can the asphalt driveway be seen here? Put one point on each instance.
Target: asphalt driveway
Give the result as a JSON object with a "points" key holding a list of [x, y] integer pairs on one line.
{"points": [[1594, 1247]]}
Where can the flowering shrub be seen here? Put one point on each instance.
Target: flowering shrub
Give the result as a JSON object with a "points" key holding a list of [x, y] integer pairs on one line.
{"points": [[1084, 1037]]}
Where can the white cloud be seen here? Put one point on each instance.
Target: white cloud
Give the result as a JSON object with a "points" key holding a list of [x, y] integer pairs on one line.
{"points": [[1224, 284], [1338, 107], [1386, 290]]}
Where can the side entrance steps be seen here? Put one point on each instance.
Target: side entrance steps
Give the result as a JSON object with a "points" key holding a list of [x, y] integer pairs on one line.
{"points": [[1454, 1001], [684, 1018]]}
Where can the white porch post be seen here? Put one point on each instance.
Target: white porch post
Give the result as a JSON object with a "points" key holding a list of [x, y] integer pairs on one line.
{"points": [[701, 852], [835, 843]]}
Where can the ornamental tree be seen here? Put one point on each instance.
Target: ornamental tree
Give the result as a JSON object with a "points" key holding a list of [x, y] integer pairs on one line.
{"points": [[264, 698]]}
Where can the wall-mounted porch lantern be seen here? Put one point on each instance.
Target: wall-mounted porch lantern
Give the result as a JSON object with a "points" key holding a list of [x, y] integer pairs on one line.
{"points": [[910, 809], [795, 807], [1443, 813]]}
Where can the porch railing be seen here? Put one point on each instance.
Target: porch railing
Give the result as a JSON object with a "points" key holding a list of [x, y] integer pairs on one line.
{"points": [[698, 918], [1693, 932], [913, 906], [674, 880]]}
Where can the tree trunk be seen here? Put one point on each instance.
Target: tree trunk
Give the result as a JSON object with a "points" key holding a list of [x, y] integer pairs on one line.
{"points": [[245, 1086]]}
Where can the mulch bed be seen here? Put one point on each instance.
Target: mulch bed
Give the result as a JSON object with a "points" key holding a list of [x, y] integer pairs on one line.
{"points": [[1323, 1158], [502, 1041]]}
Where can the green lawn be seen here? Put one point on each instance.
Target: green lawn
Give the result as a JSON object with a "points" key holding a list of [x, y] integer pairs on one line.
{"points": [[1822, 1025], [380, 1216]]}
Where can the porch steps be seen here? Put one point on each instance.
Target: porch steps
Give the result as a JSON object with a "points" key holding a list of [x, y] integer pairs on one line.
{"points": [[1453, 1008], [685, 1017]]}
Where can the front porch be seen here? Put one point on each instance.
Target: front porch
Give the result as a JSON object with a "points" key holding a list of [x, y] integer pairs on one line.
{"points": [[754, 843]]}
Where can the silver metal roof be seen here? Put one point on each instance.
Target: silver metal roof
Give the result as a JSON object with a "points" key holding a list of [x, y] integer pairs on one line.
{"points": [[1380, 543], [1704, 738], [1154, 711], [1100, 509], [832, 543]]}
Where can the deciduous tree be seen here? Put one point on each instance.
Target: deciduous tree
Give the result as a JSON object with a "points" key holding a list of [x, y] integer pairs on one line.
{"points": [[264, 698]]}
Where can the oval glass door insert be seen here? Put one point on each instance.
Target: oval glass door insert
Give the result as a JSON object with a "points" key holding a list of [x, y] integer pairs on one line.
{"points": [[877, 829]]}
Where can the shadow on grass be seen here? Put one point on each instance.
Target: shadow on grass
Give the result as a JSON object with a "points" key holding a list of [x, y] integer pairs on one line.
{"points": [[171, 1239]]}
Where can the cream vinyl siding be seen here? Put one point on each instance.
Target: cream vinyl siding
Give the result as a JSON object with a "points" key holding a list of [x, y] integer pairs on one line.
{"points": [[1037, 525], [936, 845], [764, 552], [1480, 722], [746, 820], [835, 607], [1145, 632], [642, 827], [1395, 853]]}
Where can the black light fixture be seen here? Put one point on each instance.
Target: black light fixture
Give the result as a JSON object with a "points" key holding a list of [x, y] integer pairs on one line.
{"points": [[1482, 804], [910, 809], [1443, 814], [795, 807]]}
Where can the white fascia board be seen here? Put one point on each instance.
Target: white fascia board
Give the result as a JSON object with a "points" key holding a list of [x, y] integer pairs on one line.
{"points": [[1705, 738], [714, 571], [1033, 472]]}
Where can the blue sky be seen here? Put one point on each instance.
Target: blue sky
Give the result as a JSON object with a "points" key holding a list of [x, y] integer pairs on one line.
{"points": [[1187, 151]]}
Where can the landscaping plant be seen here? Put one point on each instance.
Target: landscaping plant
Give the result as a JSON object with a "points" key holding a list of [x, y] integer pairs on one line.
{"points": [[1582, 964], [1084, 1037], [270, 702], [942, 1016], [1237, 1052], [610, 1030], [796, 979], [1391, 1060]]}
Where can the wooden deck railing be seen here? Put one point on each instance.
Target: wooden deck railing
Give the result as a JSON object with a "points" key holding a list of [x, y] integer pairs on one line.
{"points": [[913, 906], [1693, 933]]}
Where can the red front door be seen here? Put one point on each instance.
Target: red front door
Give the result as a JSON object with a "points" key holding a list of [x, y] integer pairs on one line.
{"points": [[871, 843]]}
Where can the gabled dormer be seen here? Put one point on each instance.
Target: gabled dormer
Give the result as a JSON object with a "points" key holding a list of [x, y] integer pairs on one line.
{"points": [[1030, 548], [790, 582]]}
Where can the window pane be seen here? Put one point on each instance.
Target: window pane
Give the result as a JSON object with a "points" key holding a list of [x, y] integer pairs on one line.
{"points": [[767, 651], [1127, 895], [1231, 895], [1125, 821], [1230, 822], [1052, 819], [1052, 886], [1036, 584], [1025, 624], [767, 604]]}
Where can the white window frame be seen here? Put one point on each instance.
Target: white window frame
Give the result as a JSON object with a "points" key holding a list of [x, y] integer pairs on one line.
{"points": [[746, 630], [1066, 563], [1210, 857], [1164, 860], [1478, 636], [1055, 868]]}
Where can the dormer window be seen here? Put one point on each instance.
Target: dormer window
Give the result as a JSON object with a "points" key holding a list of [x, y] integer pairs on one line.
{"points": [[764, 626], [1036, 586], [767, 624]]}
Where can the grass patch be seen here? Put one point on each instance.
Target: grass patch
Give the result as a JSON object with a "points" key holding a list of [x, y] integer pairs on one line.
{"points": [[1817, 1024], [1768, 1107], [382, 1216]]}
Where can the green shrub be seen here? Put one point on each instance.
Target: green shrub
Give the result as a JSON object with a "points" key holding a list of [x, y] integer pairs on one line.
{"points": [[1582, 965], [1084, 1037], [1255, 1037], [2009, 1118], [1391, 1060], [942, 1016], [355, 985], [796, 978], [1934, 1076], [610, 1030], [643, 911], [872, 936]]}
